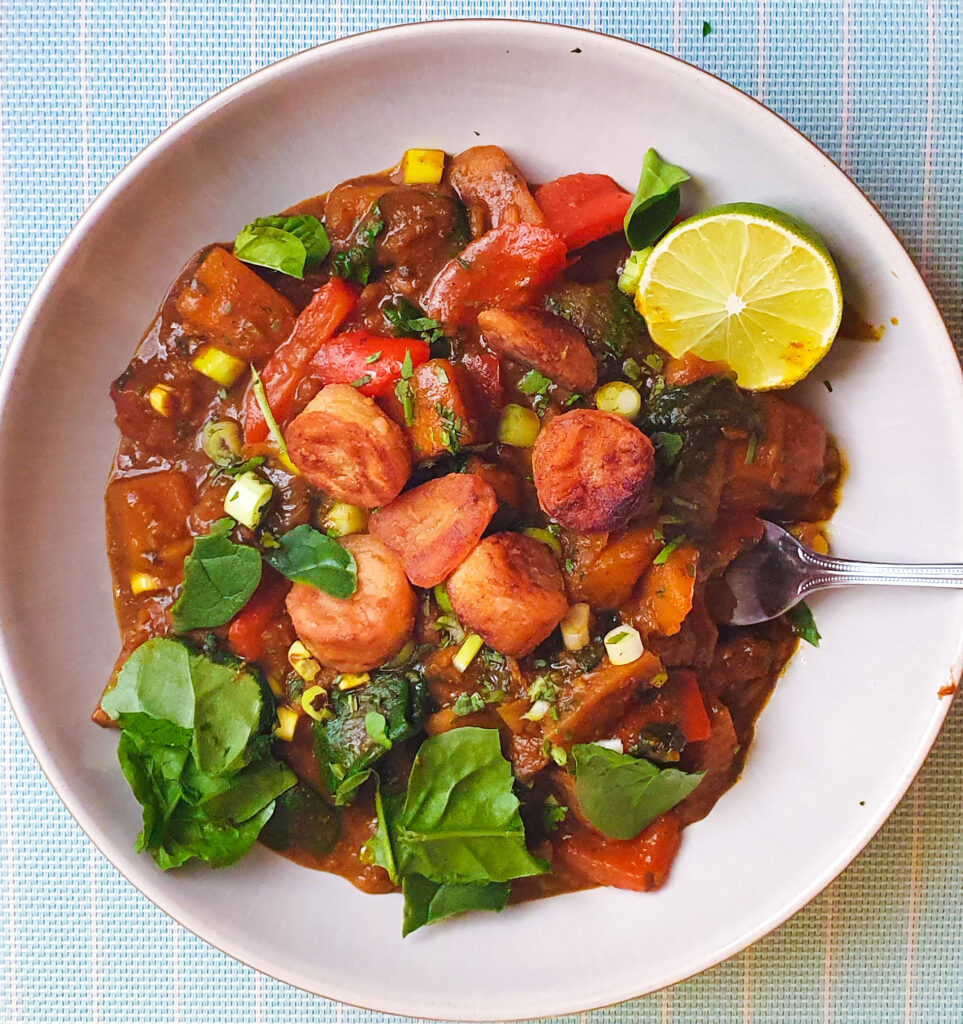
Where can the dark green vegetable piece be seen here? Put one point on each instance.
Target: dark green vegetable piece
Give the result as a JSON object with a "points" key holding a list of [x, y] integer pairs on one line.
{"points": [[706, 29], [689, 419], [803, 624], [461, 820], [620, 794], [303, 820], [307, 556], [428, 902], [287, 244], [610, 323], [344, 744], [195, 748], [219, 578], [656, 201]]}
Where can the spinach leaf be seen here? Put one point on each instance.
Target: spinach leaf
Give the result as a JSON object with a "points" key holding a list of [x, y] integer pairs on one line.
{"points": [[344, 745], [219, 579], [195, 749], [378, 849], [287, 244], [611, 325], [427, 902], [689, 419], [803, 624], [357, 262], [461, 821], [307, 556], [656, 201], [620, 794], [302, 820]]}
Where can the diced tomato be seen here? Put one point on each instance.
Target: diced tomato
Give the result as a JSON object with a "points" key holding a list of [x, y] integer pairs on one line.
{"points": [[641, 863], [507, 268], [582, 208], [227, 302], [358, 354], [285, 369], [247, 633]]}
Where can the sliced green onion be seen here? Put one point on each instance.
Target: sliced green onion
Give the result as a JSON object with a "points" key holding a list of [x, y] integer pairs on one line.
{"points": [[620, 398], [246, 499], [545, 536], [632, 271], [467, 651], [260, 396], [221, 441], [623, 645], [444, 601]]}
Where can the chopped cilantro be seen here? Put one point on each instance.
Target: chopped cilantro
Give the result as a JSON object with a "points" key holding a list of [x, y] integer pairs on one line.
{"points": [[803, 623], [468, 704], [361, 381], [663, 556], [373, 358], [451, 430], [534, 383], [706, 29]]}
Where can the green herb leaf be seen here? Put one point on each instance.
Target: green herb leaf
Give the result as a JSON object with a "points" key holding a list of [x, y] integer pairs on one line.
{"points": [[663, 556], [428, 902], [195, 748], [656, 201], [803, 624], [667, 447], [461, 821], [307, 556], [373, 358], [219, 579], [534, 383], [408, 321], [361, 381], [356, 263], [286, 244], [375, 725], [468, 704], [706, 29], [620, 794]]}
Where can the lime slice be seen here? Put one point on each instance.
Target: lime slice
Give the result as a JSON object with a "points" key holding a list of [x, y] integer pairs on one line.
{"points": [[745, 284]]}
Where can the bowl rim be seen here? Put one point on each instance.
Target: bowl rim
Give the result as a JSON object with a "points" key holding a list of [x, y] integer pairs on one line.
{"points": [[183, 125]]}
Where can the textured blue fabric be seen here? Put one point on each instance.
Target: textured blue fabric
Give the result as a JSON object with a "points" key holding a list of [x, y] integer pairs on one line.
{"points": [[878, 84]]}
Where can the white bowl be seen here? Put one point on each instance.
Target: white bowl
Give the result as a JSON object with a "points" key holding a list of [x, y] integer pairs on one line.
{"points": [[849, 723]]}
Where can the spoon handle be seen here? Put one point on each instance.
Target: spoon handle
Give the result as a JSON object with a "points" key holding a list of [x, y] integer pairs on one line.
{"points": [[824, 572]]}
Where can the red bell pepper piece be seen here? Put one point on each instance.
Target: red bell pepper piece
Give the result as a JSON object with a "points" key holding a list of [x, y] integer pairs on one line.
{"points": [[316, 323], [507, 267], [693, 719], [582, 208], [641, 863], [247, 631], [356, 355]]}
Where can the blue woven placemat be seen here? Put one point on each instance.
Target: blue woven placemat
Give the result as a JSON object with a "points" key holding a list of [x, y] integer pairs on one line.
{"points": [[878, 84]]}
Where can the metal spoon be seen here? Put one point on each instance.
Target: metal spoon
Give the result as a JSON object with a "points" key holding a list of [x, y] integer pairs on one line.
{"points": [[779, 572]]}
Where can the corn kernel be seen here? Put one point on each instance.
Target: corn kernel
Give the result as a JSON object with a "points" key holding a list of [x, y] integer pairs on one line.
{"points": [[220, 366], [287, 721], [161, 398], [303, 662], [276, 683], [343, 519], [423, 166], [142, 582], [350, 681]]}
